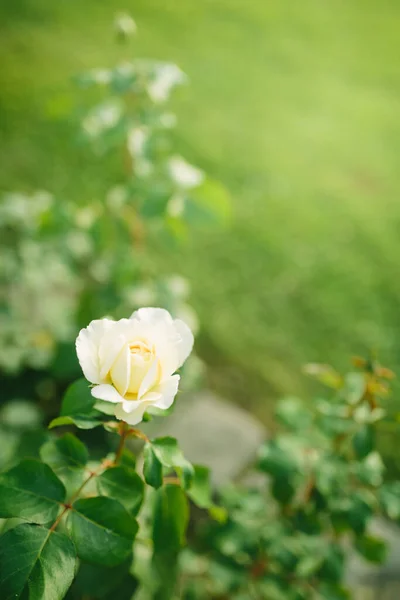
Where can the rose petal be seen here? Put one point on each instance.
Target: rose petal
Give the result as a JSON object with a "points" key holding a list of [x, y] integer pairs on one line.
{"points": [[106, 392], [150, 380], [88, 344], [168, 390], [185, 343], [121, 370], [132, 418], [152, 315]]}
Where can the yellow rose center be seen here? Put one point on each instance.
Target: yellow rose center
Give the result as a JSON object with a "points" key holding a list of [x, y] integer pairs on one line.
{"points": [[127, 377], [141, 359]]}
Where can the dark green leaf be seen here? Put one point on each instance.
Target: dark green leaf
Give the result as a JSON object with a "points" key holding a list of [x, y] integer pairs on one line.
{"points": [[124, 484], [277, 461], [171, 514], [329, 591], [65, 452], [170, 455], [152, 468], [200, 490], [333, 565], [102, 530], [31, 491], [80, 421], [77, 399], [36, 563], [282, 489], [363, 441], [94, 581], [67, 456], [371, 548], [77, 408]]}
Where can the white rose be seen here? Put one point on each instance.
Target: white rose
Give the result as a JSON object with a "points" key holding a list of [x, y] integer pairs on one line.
{"points": [[132, 361]]}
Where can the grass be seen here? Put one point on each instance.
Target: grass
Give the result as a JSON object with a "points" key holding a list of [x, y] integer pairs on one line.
{"points": [[295, 107]]}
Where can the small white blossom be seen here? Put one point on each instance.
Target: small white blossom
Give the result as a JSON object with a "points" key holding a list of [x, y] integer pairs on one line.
{"points": [[184, 174], [125, 25], [102, 118], [166, 77]]}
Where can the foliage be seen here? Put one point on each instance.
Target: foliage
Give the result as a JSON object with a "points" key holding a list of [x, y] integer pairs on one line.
{"points": [[316, 486], [119, 525], [68, 515]]}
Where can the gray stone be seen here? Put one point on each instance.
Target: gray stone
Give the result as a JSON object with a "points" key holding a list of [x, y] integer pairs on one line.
{"points": [[212, 432], [378, 582]]}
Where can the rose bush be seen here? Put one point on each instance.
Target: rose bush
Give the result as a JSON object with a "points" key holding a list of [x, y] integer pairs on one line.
{"points": [[132, 362]]}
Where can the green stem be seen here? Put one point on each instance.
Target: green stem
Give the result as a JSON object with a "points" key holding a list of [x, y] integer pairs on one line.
{"points": [[123, 432]]}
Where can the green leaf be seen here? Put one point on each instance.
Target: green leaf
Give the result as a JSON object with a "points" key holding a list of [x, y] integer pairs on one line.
{"points": [[80, 421], [277, 460], [354, 387], [389, 497], [152, 468], [102, 530], [127, 459], [293, 414], [371, 548], [65, 452], [309, 565], [282, 489], [77, 408], [329, 591], [108, 408], [325, 374], [36, 563], [123, 484], [200, 491], [77, 399], [333, 565], [363, 441], [31, 491], [67, 456], [170, 455], [171, 515], [94, 581]]}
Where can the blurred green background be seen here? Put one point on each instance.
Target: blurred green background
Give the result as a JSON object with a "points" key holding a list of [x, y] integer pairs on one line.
{"points": [[295, 106]]}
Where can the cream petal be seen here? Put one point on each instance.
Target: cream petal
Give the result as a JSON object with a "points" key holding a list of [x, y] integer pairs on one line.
{"points": [[88, 344], [139, 368], [106, 392], [130, 405], [151, 379], [186, 340], [132, 418], [168, 390], [172, 343], [120, 371], [152, 315], [109, 350]]}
